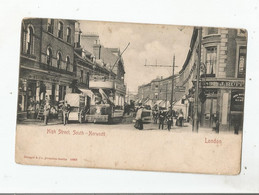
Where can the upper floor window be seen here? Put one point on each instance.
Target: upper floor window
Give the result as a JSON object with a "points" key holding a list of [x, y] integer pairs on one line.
{"points": [[156, 95], [67, 63], [211, 60], [242, 62], [49, 56], [60, 30], [241, 32], [69, 35], [29, 40], [59, 59], [50, 25], [212, 31]]}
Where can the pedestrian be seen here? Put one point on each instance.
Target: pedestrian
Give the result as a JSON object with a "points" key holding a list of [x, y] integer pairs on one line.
{"points": [[169, 119], [237, 124], [139, 122], [155, 116], [65, 111], [180, 117], [46, 112], [161, 117]]}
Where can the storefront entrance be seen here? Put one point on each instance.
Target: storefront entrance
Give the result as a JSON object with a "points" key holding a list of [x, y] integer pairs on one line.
{"points": [[209, 109]]}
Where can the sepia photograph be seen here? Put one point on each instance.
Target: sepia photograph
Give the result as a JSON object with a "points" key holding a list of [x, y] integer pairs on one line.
{"points": [[131, 96]]}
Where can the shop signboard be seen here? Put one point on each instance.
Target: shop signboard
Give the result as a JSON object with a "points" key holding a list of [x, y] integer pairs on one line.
{"points": [[237, 100]]}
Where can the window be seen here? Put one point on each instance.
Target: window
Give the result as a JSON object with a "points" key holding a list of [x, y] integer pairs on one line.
{"points": [[69, 35], [50, 25], [59, 59], [242, 62], [211, 60], [212, 31], [81, 76], [29, 40], [49, 56], [60, 30], [156, 95], [67, 63]]}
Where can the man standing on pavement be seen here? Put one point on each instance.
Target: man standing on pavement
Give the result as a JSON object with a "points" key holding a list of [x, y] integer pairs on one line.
{"points": [[65, 110], [46, 112], [139, 122], [161, 117], [169, 118]]}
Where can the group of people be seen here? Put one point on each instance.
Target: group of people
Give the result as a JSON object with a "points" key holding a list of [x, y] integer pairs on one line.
{"points": [[167, 117], [160, 116], [65, 108]]}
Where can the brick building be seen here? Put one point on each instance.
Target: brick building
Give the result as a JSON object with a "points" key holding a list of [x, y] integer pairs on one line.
{"points": [[109, 60], [223, 64], [46, 62]]}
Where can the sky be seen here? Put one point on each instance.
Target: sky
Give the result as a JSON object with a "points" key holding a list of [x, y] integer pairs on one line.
{"points": [[155, 44]]}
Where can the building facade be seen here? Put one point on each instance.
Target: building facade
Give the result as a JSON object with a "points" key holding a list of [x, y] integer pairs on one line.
{"points": [[46, 62], [222, 76]]}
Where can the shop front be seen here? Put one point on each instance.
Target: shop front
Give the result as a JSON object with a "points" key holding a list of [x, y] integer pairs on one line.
{"points": [[224, 102], [35, 89]]}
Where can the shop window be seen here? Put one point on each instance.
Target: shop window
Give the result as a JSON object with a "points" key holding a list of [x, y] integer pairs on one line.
{"points": [[237, 100], [53, 92], [212, 31], [211, 60], [69, 35], [81, 76], [87, 79], [60, 30], [241, 62], [49, 56], [50, 25], [67, 63], [29, 40], [64, 92], [59, 60], [60, 92]]}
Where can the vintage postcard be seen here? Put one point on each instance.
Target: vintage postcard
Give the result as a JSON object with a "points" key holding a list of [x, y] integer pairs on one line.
{"points": [[131, 96]]}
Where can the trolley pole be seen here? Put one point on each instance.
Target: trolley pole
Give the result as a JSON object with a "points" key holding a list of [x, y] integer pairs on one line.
{"points": [[195, 127]]}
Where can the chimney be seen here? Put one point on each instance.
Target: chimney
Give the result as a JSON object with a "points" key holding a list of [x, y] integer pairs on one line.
{"points": [[97, 50]]}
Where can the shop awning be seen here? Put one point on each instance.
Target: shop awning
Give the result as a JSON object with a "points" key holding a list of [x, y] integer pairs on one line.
{"points": [[87, 92], [158, 102]]}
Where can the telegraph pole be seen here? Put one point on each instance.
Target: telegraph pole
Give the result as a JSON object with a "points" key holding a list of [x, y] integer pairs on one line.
{"points": [[196, 98], [172, 95]]}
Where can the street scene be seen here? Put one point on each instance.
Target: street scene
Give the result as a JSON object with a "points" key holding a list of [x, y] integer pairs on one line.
{"points": [[122, 76]]}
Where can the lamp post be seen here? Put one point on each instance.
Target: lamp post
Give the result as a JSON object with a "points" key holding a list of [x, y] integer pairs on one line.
{"points": [[195, 127]]}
